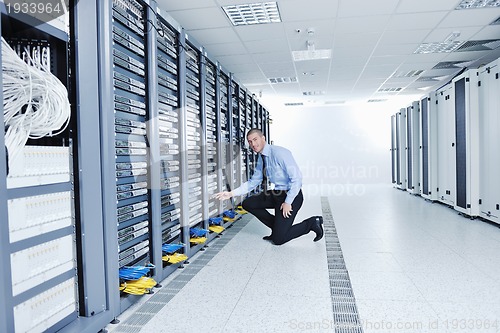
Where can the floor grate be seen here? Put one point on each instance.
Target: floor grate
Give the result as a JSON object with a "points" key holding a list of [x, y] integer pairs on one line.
{"points": [[345, 312]]}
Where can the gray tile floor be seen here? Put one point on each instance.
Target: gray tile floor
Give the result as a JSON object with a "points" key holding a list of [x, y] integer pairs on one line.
{"points": [[415, 266]]}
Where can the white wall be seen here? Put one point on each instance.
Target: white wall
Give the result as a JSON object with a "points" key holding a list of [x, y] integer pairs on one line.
{"points": [[339, 149]]}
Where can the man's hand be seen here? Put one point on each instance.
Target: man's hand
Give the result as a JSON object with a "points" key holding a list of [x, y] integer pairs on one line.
{"points": [[223, 195], [287, 209]]}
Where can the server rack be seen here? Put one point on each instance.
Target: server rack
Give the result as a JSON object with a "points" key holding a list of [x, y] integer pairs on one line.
{"points": [[489, 136], [236, 136], [467, 142], [393, 149], [446, 145], [244, 127], [211, 137], [413, 144], [194, 134], [225, 142], [428, 152], [37, 202], [169, 134], [401, 147]]}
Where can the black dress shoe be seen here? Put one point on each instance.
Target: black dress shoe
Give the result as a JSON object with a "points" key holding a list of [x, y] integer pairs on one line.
{"points": [[270, 237], [317, 227]]}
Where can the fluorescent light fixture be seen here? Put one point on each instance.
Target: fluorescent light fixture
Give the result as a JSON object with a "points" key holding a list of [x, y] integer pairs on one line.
{"points": [[276, 80], [311, 55], [253, 13], [390, 90], [471, 4], [412, 73], [444, 47], [376, 100], [313, 93]]}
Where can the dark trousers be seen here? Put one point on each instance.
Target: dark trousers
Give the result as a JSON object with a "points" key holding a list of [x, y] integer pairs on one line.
{"points": [[282, 229]]}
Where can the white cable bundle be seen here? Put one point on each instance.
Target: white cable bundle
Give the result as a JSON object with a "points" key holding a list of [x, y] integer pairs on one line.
{"points": [[35, 102]]}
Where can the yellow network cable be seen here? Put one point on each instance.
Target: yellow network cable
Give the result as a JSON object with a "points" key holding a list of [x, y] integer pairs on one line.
{"points": [[198, 240], [228, 219], [138, 287], [174, 258], [216, 228], [240, 210]]}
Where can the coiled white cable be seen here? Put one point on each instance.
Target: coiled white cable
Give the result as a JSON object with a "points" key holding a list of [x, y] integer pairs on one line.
{"points": [[35, 102]]}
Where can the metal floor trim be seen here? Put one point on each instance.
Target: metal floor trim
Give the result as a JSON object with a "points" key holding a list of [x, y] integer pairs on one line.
{"points": [[345, 312]]}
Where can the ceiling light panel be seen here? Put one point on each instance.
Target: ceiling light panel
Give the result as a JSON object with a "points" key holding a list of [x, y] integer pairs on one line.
{"points": [[253, 13], [311, 55], [447, 47], [276, 80], [471, 4]]}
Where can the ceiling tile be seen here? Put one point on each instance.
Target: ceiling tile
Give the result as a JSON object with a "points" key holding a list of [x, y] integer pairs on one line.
{"points": [[415, 21], [272, 57], [206, 18], [380, 71], [412, 6], [226, 49], [215, 36], [357, 39], [235, 59], [360, 24], [169, 5], [404, 37], [297, 10], [488, 32], [439, 35], [352, 8], [266, 45], [470, 17], [261, 32], [278, 66], [386, 60], [395, 49]]}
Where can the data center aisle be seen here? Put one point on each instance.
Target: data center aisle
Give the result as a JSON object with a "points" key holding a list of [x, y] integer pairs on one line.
{"points": [[417, 266], [414, 266], [251, 285]]}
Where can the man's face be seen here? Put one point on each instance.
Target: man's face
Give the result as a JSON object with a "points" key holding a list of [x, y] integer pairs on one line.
{"points": [[256, 142]]}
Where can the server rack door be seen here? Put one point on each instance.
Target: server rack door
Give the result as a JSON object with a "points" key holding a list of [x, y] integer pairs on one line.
{"points": [[446, 145], [409, 146], [424, 112], [489, 136], [403, 182], [393, 149], [461, 144]]}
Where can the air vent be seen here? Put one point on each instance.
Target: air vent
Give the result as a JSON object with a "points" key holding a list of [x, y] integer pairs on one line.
{"points": [[479, 45], [442, 47], [390, 90], [452, 64], [276, 80], [376, 100], [313, 93], [294, 104], [412, 73], [253, 13], [471, 4]]}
